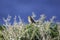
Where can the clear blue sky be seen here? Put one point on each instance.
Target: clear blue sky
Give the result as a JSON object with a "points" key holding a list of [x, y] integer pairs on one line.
{"points": [[24, 8]]}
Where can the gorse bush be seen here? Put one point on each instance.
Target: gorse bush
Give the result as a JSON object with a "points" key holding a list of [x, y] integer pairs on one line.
{"points": [[41, 30]]}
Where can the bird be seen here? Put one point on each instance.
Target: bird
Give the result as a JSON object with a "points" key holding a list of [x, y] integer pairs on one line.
{"points": [[30, 20]]}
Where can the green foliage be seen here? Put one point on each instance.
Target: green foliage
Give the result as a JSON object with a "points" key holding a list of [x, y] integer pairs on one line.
{"points": [[33, 30], [54, 30], [1, 29], [31, 33]]}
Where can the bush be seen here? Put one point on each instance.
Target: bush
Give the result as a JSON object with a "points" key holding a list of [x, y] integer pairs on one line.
{"points": [[41, 30]]}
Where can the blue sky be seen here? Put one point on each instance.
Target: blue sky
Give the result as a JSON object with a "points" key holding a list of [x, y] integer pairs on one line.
{"points": [[24, 8]]}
